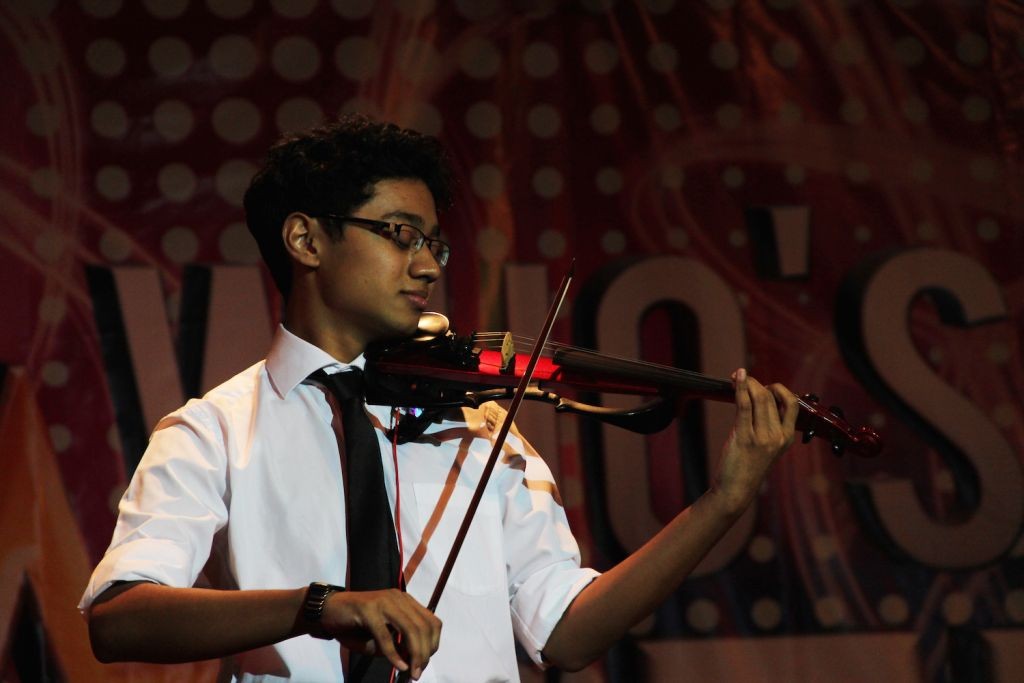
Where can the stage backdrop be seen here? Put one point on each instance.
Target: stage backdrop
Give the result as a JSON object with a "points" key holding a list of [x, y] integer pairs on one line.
{"points": [[828, 193]]}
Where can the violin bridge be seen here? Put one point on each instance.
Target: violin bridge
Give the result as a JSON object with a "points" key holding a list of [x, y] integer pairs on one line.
{"points": [[508, 354]]}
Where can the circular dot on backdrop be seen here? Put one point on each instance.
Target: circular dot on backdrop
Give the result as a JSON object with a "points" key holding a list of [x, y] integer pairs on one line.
{"points": [[601, 56], [487, 181], [548, 182], [786, 54], [766, 613], [829, 610], [60, 437], [176, 182], [298, 113], [422, 116], [738, 238], [1004, 415], [663, 57], [54, 373], [229, 9], [998, 353], [893, 609], [492, 244], [551, 244], [988, 229], [671, 177], [39, 57], [613, 242], [984, 169], [659, 6], [293, 9], [233, 57], [479, 59], [45, 182], [790, 113], [921, 170], [729, 116], [109, 120], [170, 56], [415, 9], [165, 9], [52, 310], [1014, 605], [42, 119], [862, 233], [824, 547], [419, 61], [540, 60], [237, 245], [113, 182], [761, 549], [909, 51], [927, 231], [357, 58], [49, 245], [236, 120], [848, 51], [295, 58], [477, 10], [361, 105], [702, 615], [818, 484], [733, 177], [483, 119], [544, 121], [677, 238], [857, 172], [972, 49], [605, 119], [232, 179], [352, 9], [795, 174], [976, 109], [915, 109], [724, 55], [957, 608], [173, 120], [115, 245], [105, 57], [180, 244], [853, 111], [101, 9], [667, 118], [609, 180]]}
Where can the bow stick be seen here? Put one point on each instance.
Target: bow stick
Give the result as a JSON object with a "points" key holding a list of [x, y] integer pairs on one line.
{"points": [[506, 424]]}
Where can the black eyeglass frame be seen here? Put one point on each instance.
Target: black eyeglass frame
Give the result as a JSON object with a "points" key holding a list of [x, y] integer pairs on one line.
{"points": [[393, 231]]}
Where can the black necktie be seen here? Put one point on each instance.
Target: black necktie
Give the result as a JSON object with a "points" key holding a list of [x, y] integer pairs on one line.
{"points": [[372, 549]]}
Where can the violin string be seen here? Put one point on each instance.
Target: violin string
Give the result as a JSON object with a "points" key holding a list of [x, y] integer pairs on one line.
{"points": [[496, 340]]}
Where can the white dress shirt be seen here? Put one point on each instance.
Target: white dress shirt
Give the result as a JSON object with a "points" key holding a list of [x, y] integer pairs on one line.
{"points": [[245, 487]]}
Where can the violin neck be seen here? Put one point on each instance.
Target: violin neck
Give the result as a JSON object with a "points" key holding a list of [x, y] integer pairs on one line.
{"points": [[671, 380]]}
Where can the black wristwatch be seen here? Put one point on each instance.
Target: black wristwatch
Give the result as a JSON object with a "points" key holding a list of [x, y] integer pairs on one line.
{"points": [[316, 598]]}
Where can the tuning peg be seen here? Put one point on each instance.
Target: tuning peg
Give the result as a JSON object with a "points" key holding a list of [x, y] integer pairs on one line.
{"points": [[811, 398], [808, 435], [836, 410]]}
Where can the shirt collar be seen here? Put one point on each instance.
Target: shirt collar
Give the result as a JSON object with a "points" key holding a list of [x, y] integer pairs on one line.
{"points": [[292, 359]]}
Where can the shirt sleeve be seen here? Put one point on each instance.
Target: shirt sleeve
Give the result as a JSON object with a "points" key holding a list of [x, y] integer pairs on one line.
{"points": [[172, 508], [543, 557]]}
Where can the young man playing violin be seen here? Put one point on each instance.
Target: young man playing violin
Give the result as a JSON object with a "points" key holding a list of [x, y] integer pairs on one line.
{"points": [[252, 486]]}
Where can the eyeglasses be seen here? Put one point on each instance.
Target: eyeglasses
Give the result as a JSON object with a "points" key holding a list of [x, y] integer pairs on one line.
{"points": [[404, 235]]}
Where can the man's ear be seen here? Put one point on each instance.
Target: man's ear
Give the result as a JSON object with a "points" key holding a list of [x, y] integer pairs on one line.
{"points": [[298, 233]]}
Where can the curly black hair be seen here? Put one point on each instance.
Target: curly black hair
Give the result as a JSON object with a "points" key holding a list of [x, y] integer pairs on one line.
{"points": [[332, 169]]}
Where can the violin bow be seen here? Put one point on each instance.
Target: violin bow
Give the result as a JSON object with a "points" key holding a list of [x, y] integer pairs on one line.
{"points": [[499, 441]]}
